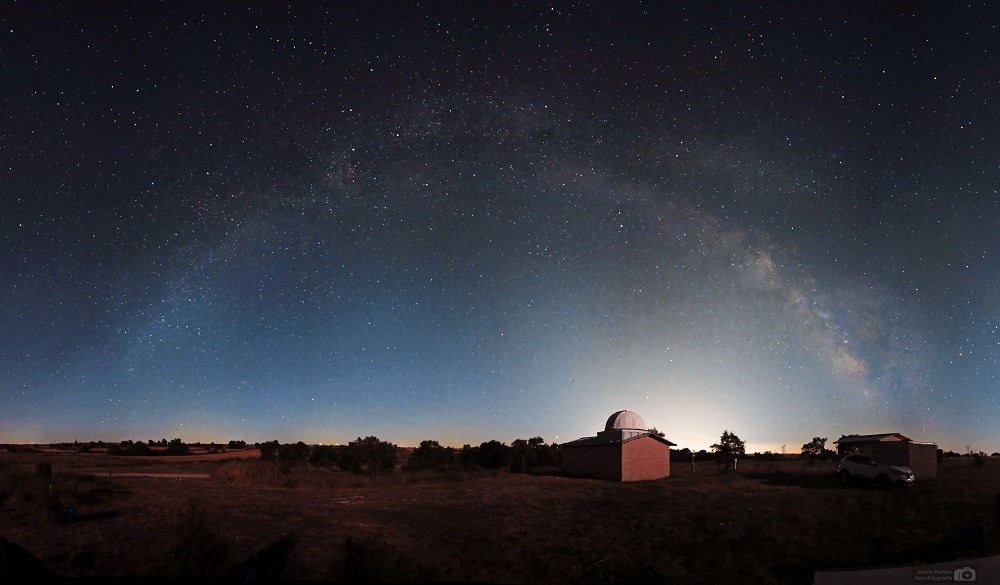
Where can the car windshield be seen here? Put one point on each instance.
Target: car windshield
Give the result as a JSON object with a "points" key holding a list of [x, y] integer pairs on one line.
{"points": [[883, 460]]}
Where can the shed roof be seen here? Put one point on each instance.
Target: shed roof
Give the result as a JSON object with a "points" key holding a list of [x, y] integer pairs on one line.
{"points": [[848, 439], [614, 439]]}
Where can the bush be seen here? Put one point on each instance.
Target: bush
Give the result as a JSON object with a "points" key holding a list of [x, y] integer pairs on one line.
{"points": [[177, 447], [324, 456], [132, 449], [292, 455], [268, 449], [370, 455], [430, 455], [532, 454], [494, 455]]}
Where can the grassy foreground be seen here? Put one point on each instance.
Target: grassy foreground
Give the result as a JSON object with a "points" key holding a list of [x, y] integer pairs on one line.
{"points": [[772, 522]]}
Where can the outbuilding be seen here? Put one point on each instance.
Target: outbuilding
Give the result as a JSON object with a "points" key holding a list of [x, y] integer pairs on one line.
{"points": [[624, 451], [920, 456]]}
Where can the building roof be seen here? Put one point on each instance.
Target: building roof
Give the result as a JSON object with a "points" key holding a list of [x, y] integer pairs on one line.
{"points": [[625, 419], [612, 438], [622, 427], [848, 439]]}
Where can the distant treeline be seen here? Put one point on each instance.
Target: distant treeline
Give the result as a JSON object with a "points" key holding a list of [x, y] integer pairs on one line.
{"points": [[140, 448], [369, 455], [684, 456], [373, 456]]}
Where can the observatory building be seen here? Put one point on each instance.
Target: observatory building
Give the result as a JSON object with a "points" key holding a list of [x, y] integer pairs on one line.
{"points": [[624, 451]]}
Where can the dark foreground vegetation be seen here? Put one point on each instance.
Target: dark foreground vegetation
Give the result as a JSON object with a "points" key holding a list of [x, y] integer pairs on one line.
{"points": [[432, 518]]}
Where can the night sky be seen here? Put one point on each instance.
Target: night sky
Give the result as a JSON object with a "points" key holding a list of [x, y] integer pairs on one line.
{"points": [[489, 220]]}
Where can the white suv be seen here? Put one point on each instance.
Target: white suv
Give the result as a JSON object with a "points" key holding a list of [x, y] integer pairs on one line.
{"points": [[874, 468]]}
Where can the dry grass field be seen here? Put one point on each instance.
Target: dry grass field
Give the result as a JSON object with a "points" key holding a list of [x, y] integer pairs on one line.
{"points": [[234, 516]]}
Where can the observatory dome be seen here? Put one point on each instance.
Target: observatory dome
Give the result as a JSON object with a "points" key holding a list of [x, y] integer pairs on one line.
{"points": [[625, 420]]}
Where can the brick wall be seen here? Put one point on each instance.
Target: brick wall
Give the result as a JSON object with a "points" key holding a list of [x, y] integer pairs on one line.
{"points": [[645, 458]]}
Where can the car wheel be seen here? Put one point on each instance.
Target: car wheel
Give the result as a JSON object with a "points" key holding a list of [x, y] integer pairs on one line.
{"points": [[845, 477], [883, 481]]}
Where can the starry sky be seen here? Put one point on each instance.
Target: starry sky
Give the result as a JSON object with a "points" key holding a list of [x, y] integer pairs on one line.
{"points": [[466, 221]]}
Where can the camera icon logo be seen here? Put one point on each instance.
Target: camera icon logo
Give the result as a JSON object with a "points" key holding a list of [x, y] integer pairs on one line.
{"points": [[965, 574]]}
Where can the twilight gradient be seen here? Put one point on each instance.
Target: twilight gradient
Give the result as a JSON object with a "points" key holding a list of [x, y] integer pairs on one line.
{"points": [[468, 221]]}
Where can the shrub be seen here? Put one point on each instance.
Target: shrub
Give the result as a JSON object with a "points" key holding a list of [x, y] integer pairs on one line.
{"points": [[469, 456], [177, 447], [494, 455], [268, 449], [430, 455], [292, 455], [370, 455], [324, 456], [532, 454], [135, 449]]}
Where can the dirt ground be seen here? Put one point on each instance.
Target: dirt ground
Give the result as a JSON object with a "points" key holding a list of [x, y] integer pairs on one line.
{"points": [[772, 522]]}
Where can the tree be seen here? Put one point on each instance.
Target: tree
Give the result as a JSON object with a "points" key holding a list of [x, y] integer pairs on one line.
{"points": [[324, 456], [138, 448], [657, 432], [729, 447], [816, 448], [521, 456], [493, 454], [268, 449], [177, 447], [469, 456], [429, 455], [370, 455], [532, 454], [489, 455], [293, 454], [545, 455]]}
